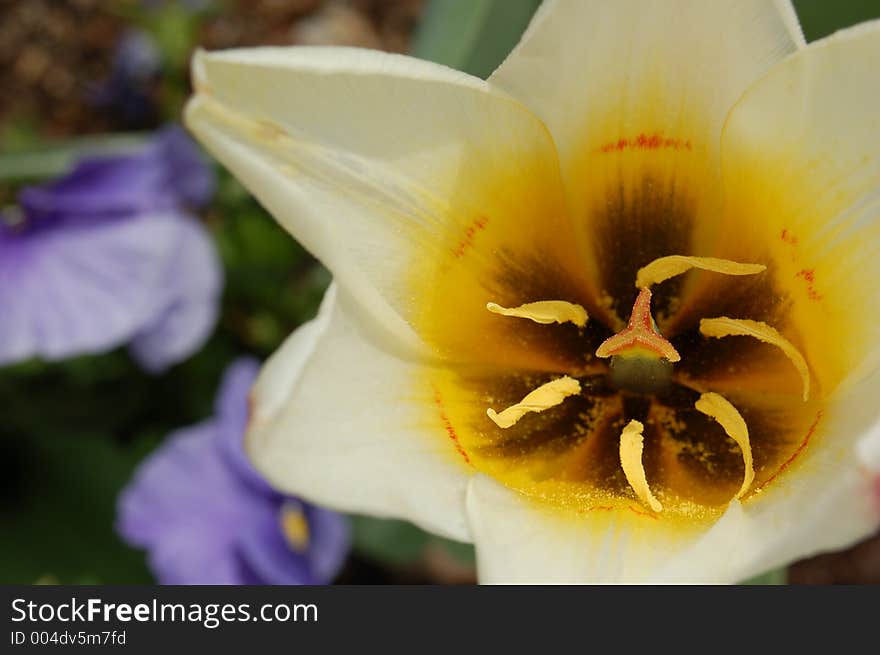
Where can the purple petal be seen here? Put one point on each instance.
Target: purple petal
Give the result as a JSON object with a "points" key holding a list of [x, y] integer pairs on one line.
{"points": [[189, 172], [188, 508], [185, 315], [85, 288], [268, 555], [206, 517], [129, 90], [167, 173], [97, 189], [330, 542], [232, 409]]}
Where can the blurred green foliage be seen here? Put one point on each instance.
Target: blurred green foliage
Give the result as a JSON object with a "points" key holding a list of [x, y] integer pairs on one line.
{"points": [[73, 432], [472, 36], [822, 17]]}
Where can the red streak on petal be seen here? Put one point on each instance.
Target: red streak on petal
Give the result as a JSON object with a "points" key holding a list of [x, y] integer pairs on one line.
{"points": [[609, 508], [809, 276], [797, 452], [447, 425], [788, 237], [598, 508], [470, 232], [251, 411], [644, 141], [641, 513]]}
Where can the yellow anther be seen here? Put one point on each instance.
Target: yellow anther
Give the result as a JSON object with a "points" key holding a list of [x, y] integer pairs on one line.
{"points": [[631, 446], [727, 327], [664, 268], [295, 526], [545, 312], [544, 397], [716, 406]]}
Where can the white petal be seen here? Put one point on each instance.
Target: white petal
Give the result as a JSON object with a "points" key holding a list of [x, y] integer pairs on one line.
{"points": [[801, 154], [596, 72], [521, 542], [356, 428], [283, 369], [375, 162]]}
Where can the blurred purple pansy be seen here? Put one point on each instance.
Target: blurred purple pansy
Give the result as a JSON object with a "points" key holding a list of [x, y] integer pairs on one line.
{"points": [[108, 255], [205, 515], [129, 91]]}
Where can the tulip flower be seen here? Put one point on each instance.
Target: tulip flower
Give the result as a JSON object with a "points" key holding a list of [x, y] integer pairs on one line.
{"points": [[610, 314]]}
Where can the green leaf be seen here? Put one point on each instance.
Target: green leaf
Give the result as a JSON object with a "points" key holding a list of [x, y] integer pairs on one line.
{"points": [[820, 18], [387, 540], [774, 577], [472, 35], [460, 552], [56, 158], [58, 509]]}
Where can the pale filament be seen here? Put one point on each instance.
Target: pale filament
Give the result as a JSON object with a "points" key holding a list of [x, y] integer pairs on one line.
{"points": [[544, 312], [631, 447], [726, 327], [719, 408], [544, 397], [664, 268]]}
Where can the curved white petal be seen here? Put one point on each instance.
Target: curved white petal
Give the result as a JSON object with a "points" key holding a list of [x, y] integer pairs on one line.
{"points": [[521, 542], [789, 16], [340, 421], [597, 72], [283, 369], [801, 155], [377, 163]]}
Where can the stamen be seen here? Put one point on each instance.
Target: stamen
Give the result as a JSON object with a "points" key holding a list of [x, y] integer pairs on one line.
{"points": [[640, 336], [741, 327], [631, 446], [544, 397], [295, 526], [545, 312], [716, 406], [664, 268]]}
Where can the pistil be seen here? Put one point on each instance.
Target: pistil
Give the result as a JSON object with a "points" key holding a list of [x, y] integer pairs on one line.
{"points": [[640, 338]]}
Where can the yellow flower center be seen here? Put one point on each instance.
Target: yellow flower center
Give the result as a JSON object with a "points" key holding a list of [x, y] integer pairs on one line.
{"points": [[586, 359], [641, 365], [627, 427]]}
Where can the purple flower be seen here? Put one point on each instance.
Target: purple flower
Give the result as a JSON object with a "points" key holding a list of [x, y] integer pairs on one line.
{"points": [[130, 88], [109, 255], [205, 515]]}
